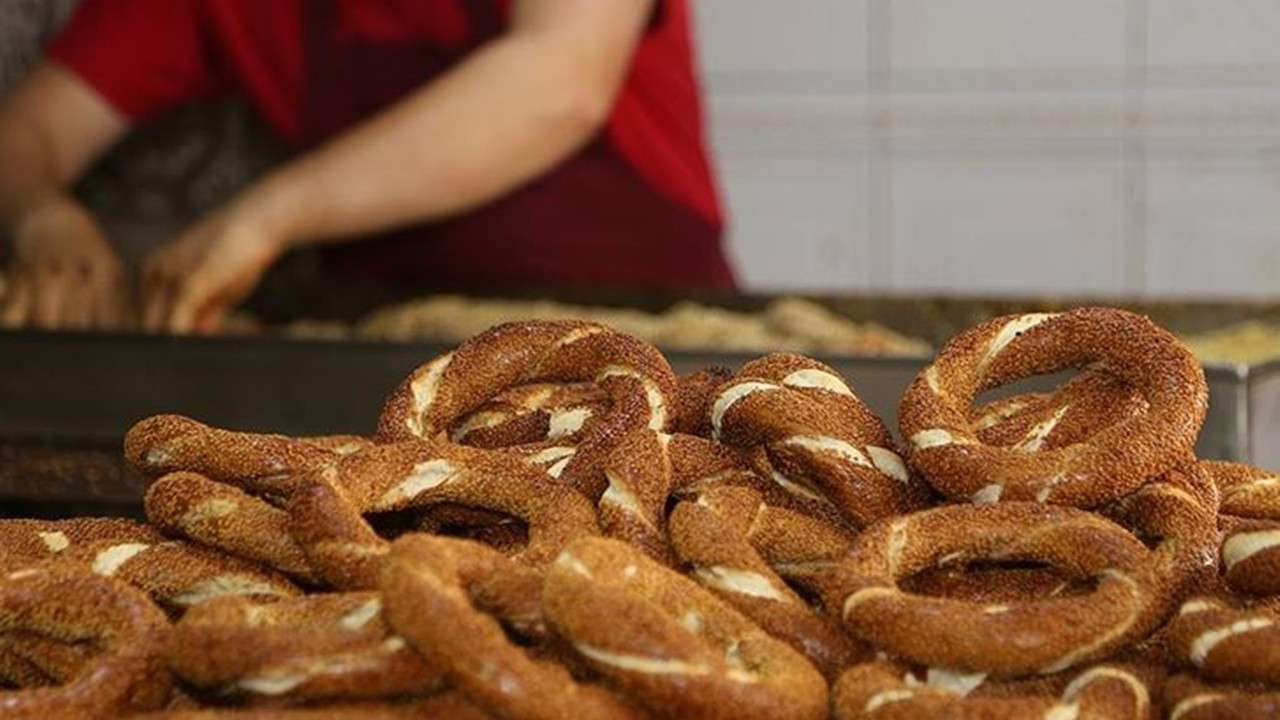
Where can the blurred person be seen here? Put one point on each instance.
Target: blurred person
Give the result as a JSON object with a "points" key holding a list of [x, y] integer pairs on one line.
{"points": [[451, 144]]}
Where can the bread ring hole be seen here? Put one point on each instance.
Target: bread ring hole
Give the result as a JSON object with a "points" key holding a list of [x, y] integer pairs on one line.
{"points": [[1045, 383], [809, 595], [997, 581], [506, 533]]}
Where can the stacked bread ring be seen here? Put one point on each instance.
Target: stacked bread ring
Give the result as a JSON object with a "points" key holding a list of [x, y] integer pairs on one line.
{"points": [[549, 523]]}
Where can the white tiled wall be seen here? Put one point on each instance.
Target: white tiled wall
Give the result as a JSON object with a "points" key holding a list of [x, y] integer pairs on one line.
{"points": [[1101, 147]]}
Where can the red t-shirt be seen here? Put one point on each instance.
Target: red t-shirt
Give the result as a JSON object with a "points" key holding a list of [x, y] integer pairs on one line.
{"points": [[635, 208]]}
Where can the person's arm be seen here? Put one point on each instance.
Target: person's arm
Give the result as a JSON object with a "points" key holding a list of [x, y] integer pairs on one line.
{"points": [[508, 113], [63, 272]]}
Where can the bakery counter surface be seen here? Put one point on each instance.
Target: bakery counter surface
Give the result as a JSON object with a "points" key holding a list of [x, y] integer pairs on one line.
{"points": [[66, 399]]}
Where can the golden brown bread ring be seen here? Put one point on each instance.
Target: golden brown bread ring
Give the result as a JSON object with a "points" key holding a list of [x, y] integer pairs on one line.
{"points": [[882, 691], [72, 604], [1004, 639], [1251, 555], [943, 445], [712, 535], [225, 517], [1085, 404], [534, 413], [670, 644], [803, 428], [416, 474], [449, 705], [179, 574], [257, 462], [341, 547], [634, 374], [16, 671], [1170, 515], [430, 590], [1247, 491], [1224, 642], [1187, 698], [694, 393], [25, 541], [334, 646], [57, 661]]}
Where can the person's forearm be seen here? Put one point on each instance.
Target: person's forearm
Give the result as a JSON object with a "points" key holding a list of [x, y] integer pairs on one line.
{"points": [[509, 113], [28, 176], [51, 127]]}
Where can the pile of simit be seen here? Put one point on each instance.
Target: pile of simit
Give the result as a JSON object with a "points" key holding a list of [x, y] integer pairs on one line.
{"points": [[550, 524]]}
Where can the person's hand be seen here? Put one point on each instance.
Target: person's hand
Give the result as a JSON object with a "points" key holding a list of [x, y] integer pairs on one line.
{"points": [[190, 284], [64, 274]]}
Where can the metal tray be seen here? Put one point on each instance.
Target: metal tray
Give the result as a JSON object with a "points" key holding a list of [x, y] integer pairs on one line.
{"points": [[65, 396]]}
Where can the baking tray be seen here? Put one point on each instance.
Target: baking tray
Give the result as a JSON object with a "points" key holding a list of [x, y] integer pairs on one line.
{"points": [[66, 399]]}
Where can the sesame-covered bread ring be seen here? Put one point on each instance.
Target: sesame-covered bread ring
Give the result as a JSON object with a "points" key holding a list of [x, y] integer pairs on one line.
{"points": [[713, 537], [1085, 404], [669, 643], [53, 659], [319, 646], [1223, 642], [178, 574], [1247, 491], [1251, 555], [1002, 639], [26, 541], [72, 604], [635, 375], [416, 474], [1171, 513], [644, 470], [694, 394], [431, 587], [882, 691], [225, 517], [943, 444], [534, 413], [814, 437], [1187, 698], [450, 705], [257, 462]]}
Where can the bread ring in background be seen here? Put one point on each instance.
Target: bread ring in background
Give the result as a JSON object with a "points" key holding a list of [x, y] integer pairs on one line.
{"points": [[806, 430], [712, 536], [1186, 698], [1005, 639], [883, 691], [1085, 404], [258, 462], [222, 516], [430, 587], [942, 442], [1224, 642], [1247, 491], [1251, 555], [670, 644], [633, 374], [334, 646], [72, 604]]}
